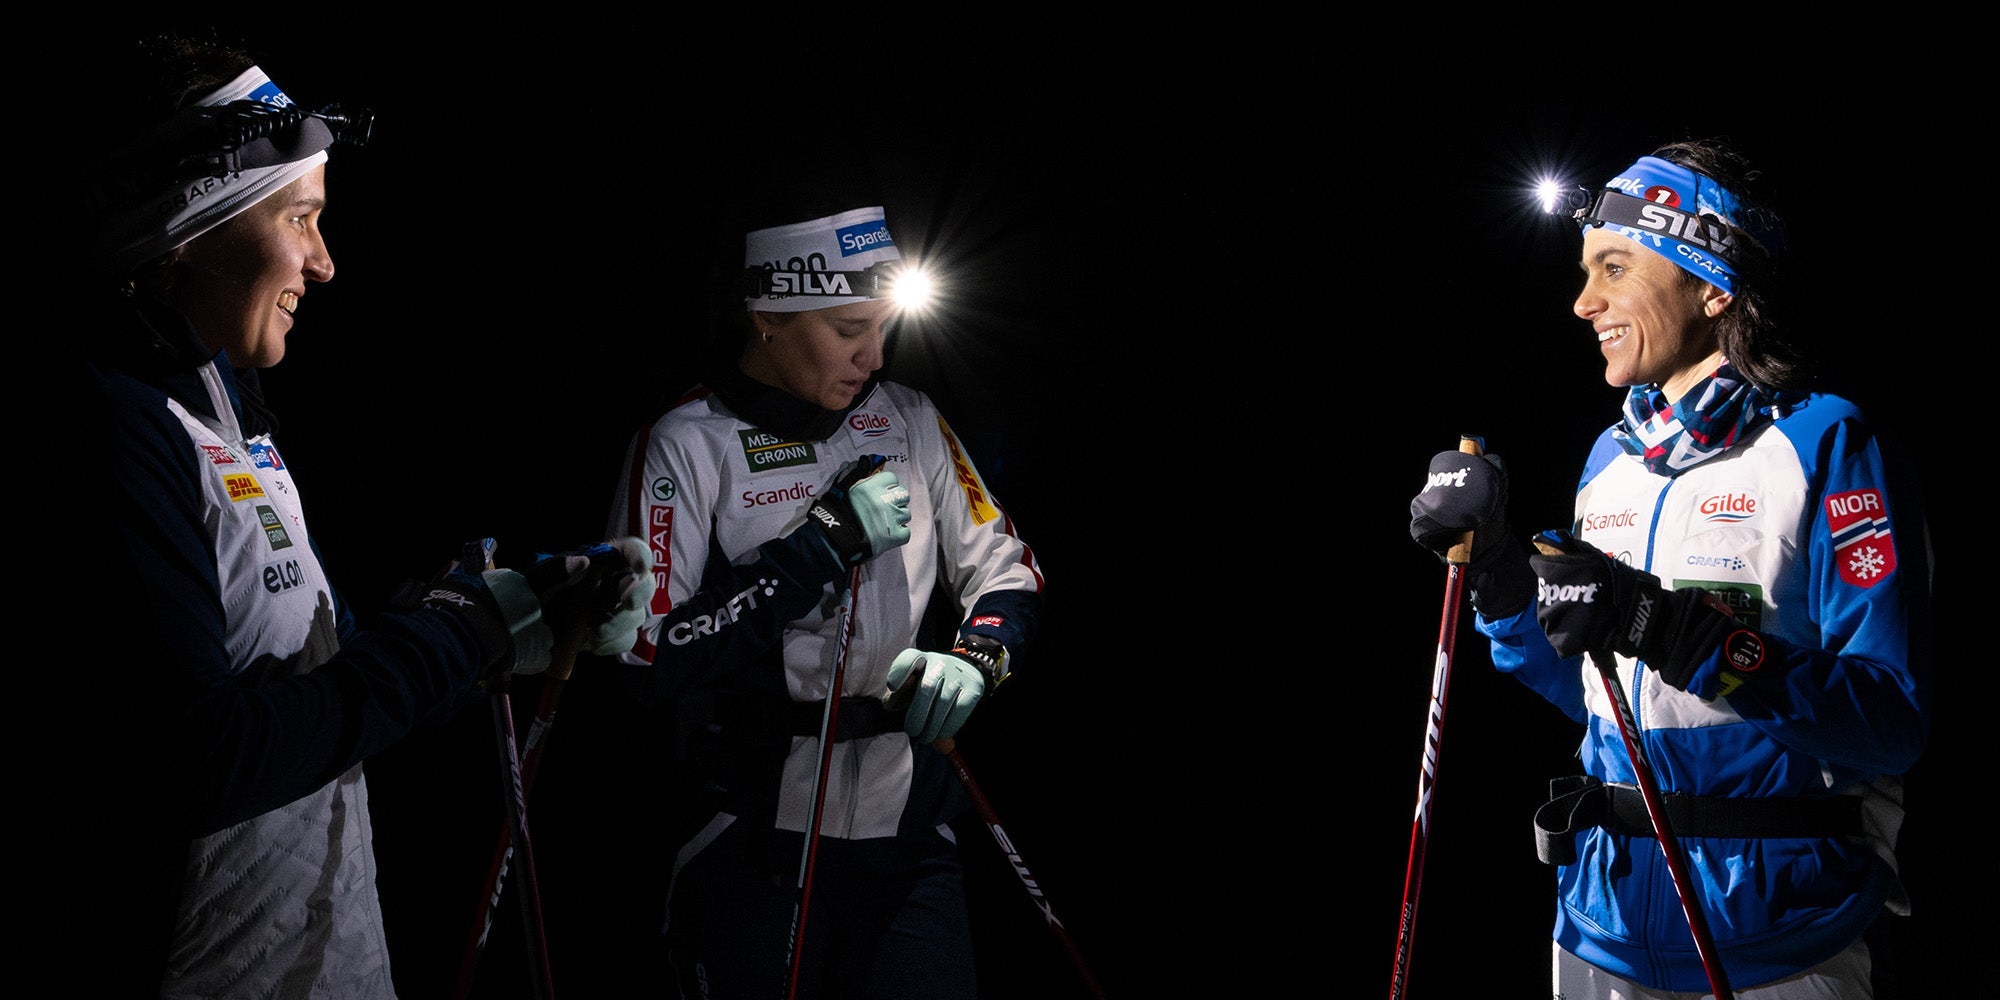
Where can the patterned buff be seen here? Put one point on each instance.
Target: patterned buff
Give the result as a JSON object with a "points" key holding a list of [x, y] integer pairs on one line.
{"points": [[1714, 414]]}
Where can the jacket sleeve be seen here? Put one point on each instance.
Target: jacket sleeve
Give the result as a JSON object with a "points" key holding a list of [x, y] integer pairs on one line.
{"points": [[1855, 683], [989, 568], [207, 740], [709, 612], [1521, 649]]}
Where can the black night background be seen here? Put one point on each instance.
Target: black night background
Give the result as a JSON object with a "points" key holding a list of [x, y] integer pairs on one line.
{"points": [[1222, 286]]}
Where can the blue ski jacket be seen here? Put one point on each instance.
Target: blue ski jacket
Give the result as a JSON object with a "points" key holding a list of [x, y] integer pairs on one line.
{"points": [[1811, 528]]}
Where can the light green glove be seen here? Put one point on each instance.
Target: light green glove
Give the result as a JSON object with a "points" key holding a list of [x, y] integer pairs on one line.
{"points": [[947, 689], [620, 631], [863, 512]]}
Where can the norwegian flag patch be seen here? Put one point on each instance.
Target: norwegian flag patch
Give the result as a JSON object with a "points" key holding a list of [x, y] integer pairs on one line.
{"points": [[1859, 522]]}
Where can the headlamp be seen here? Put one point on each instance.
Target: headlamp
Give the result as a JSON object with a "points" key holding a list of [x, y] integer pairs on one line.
{"points": [[875, 281], [227, 139], [1615, 208]]}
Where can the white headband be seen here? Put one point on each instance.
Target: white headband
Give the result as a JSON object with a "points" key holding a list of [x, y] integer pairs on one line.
{"points": [[810, 261], [160, 219]]}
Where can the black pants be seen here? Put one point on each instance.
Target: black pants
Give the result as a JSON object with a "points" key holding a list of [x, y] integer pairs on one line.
{"points": [[885, 919]]}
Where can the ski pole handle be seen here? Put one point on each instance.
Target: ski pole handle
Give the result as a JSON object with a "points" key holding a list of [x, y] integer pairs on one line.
{"points": [[1462, 552]]}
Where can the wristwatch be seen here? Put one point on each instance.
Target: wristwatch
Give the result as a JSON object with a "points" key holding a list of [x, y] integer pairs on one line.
{"points": [[986, 651]]}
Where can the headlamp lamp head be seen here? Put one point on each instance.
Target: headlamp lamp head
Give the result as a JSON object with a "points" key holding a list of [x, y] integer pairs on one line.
{"points": [[1676, 211], [227, 139]]}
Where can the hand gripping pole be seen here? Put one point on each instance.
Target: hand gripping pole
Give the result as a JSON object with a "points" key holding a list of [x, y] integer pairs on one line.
{"points": [[1413, 875]]}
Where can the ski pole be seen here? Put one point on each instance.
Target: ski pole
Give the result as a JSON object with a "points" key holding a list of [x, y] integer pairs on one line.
{"points": [[1642, 775], [1413, 875], [562, 663], [992, 819], [828, 721]]}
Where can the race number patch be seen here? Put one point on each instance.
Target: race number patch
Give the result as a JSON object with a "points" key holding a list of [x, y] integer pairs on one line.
{"points": [[1859, 522]]}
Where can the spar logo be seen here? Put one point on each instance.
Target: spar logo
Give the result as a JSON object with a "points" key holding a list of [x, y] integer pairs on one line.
{"points": [[660, 536], [1728, 508], [764, 450], [1858, 522], [663, 489]]}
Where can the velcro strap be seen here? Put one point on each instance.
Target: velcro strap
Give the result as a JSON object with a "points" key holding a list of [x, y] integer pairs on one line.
{"points": [[1579, 802], [860, 717]]}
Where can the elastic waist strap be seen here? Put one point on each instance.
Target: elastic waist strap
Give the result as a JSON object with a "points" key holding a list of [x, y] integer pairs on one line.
{"points": [[1579, 802], [860, 717]]}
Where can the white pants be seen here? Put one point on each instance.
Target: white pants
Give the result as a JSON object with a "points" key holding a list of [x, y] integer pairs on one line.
{"points": [[1843, 977]]}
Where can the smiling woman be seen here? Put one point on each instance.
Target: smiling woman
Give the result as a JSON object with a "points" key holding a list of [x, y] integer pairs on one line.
{"points": [[241, 282], [1738, 614], [208, 815]]}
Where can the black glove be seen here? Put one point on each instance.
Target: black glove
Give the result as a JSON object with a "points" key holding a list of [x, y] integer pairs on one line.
{"points": [[1467, 492], [1592, 602]]}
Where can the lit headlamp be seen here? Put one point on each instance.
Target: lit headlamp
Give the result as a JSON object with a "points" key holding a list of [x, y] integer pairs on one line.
{"points": [[1678, 213]]}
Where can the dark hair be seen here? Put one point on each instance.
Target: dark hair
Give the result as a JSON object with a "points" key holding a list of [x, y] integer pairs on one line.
{"points": [[148, 80], [1749, 332]]}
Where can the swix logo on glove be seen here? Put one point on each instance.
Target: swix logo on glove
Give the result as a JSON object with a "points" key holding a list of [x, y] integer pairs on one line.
{"points": [[1858, 521], [1581, 593], [1437, 479]]}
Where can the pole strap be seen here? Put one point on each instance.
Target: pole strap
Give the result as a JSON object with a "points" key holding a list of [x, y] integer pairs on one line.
{"points": [[1579, 802]]}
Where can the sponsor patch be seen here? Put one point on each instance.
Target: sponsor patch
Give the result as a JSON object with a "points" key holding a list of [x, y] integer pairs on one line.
{"points": [[764, 451], [1858, 521], [864, 426], [1728, 508], [241, 486], [265, 456], [274, 527], [283, 575], [863, 237], [975, 491], [663, 489], [660, 535], [1742, 601], [989, 620], [218, 455]]}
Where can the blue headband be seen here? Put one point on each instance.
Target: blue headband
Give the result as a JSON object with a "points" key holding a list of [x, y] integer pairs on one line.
{"points": [[1675, 212]]}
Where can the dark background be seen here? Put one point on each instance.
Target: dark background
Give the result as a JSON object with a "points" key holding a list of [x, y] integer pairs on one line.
{"points": [[1221, 288]]}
